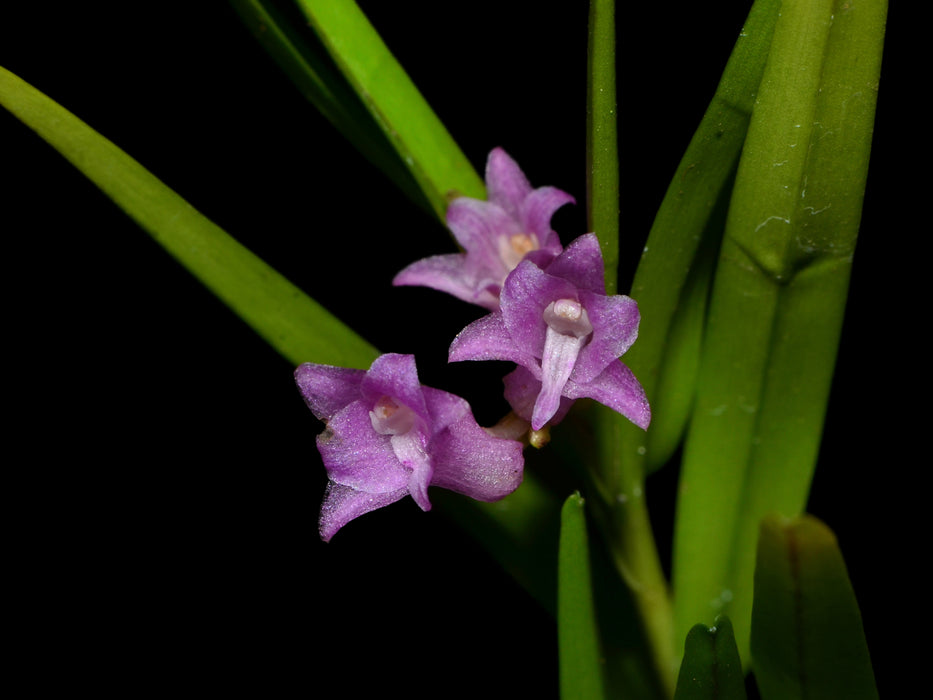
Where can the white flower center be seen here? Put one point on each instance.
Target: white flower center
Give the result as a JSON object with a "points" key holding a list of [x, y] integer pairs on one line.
{"points": [[568, 317], [391, 418]]}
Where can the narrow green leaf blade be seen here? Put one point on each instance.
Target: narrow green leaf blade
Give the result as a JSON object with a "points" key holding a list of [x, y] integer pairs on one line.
{"points": [[807, 636], [602, 144], [581, 670], [290, 321], [422, 141], [519, 531], [675, 269], [778, 300], [303, 58], [711, 669]]}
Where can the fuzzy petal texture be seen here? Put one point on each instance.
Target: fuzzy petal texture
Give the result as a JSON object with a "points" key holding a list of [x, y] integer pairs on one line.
{"points": [[617, 388], [387, 436], [469, 460], [558, 325], [495, 236], [343, 503]]}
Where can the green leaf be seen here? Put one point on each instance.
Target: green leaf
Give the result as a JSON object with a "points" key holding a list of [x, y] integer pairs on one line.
{"points": [[670, 287], [581, 669], [303, 58], [291, 322], [602, 145], [421, 140], [711, 669], [673, 276], [777, 302], [807, 637], [519, 530]]}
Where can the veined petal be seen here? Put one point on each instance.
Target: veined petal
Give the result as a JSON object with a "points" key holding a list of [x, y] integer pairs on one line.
{"points": [[328, 389], [581, 264], [615, 327], [526, 293], [471, 462], [355, 455], [344, 503], [410, 452], [506, 184], [486, 339], [396, 376], [449, 273], [617, 388], [560, 356], [536, 213], [522, 387], [477, 226]]}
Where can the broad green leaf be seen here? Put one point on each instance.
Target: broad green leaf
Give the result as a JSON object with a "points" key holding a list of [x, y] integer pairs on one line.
{"points": [[807, 637], [602, 146], [581, 669], [777, 302], [302, 57], [674, 273], [711, 669], [670, 287], [422, 141], [290, 321]]}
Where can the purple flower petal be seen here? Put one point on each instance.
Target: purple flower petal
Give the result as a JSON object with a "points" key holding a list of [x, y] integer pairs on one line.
{"points": [[448, 273], [495, 235], [581, 264], [506, 184], [387, 436], [356, 455], [486, 338], [617, 388], [343, 503], [559, 326], [327, 389]]}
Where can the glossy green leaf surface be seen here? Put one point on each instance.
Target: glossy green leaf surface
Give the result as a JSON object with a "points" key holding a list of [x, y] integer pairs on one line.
{"points": [[807, 637], [421, 140], [711, 669], [675, 269], [290, 321], [581, 672], [777, 302]]}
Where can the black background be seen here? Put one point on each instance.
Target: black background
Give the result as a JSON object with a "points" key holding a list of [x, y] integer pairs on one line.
{"points": [[165, 486]]}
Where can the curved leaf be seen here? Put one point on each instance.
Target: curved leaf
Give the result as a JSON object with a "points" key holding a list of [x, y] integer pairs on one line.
{"points": [[807, 637], [305, 61], [422, 141], [295, 325]]}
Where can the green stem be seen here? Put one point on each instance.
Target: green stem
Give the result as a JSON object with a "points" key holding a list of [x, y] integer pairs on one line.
{"points": [[602, 151], [625, 521]]}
